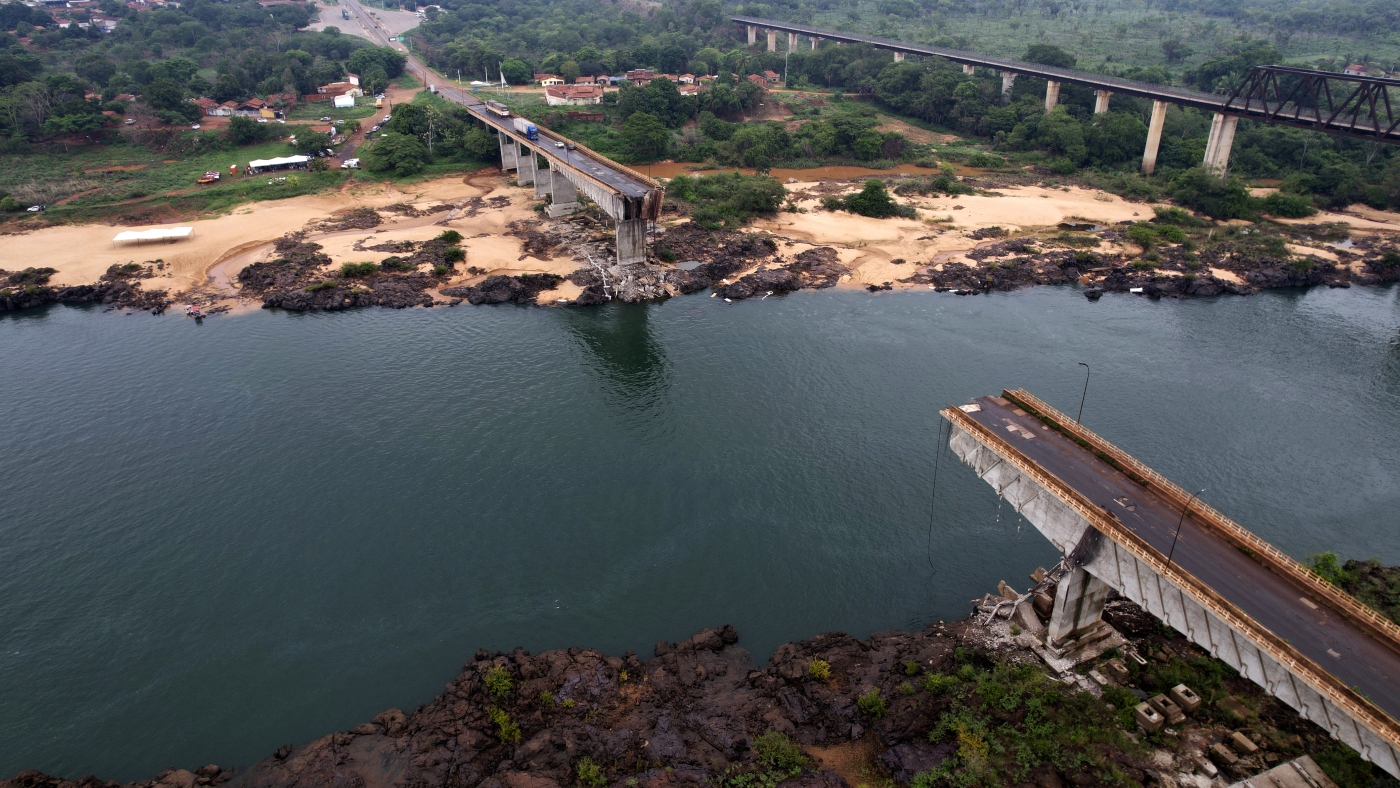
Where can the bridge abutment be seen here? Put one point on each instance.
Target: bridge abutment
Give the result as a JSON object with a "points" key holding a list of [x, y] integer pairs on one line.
{"points": [[1101, 101], [631, 241], [1222, 138], [1052, 94], [1154, 137]]}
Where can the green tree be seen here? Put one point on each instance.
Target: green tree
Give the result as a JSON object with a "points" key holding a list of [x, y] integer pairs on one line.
{"points": [[646, 137], [516, 71], [311, 141], [245, 131], [400, 154]]}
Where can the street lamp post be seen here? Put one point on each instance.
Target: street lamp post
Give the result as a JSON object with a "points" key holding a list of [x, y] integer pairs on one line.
{"points": [[1085, 394], [1182, 519]]}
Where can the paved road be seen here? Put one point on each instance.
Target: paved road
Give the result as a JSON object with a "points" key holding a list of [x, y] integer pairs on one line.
{"points": [[617, 177], [1322, 635]]}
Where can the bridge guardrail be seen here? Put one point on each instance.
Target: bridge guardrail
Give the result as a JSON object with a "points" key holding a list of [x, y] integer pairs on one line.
{"points": [[1336, 691], [1263, 552]]}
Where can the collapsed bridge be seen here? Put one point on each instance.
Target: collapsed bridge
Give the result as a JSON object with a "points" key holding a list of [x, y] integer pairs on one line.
{"points": [[1303, 640]]}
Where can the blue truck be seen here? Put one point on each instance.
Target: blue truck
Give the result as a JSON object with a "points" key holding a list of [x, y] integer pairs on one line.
{"points": [[344, 13], [527, 128]]}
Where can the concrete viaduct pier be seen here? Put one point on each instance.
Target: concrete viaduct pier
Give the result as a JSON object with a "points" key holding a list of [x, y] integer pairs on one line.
{"points": [[1331, 103], [1303, 640]]}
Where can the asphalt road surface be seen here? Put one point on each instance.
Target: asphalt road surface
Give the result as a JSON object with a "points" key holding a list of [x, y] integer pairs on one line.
{"points": [[1338, 646]]}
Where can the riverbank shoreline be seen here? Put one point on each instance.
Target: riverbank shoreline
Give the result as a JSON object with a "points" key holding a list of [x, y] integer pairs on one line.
{"points": [[840, 712], [1001, 237]]}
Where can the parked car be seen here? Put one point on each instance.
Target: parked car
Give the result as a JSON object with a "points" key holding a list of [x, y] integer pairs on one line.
{"points": [[387, 118], [379, 96], [130, 121], [195, 127], [326, 118], [36, 208], [262, 120], [350, 164]]}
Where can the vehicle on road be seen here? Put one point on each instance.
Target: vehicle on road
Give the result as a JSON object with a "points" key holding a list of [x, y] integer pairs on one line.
{"points": [[527, 128], [326, 119], [344, 13], [37, 208], [130, 121], [195, 127], [497, 108], [558, 144], [350, 164], [209, 177]]}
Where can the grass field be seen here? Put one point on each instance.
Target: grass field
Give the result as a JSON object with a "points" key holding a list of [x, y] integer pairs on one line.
{"points": [[124, 178], [320, 109]]}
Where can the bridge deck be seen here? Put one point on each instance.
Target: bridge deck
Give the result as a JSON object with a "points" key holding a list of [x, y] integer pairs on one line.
{"points": [[1323, 635]]}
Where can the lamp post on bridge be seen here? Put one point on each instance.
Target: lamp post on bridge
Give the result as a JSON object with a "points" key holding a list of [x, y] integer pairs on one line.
{"points": [[1085, 394], [1184, 510]]}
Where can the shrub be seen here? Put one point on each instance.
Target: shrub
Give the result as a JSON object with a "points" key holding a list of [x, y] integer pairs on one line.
{"points": [[1390, 259], [908, 689], [873, 200], [938, 683], [590, 773], [506, 729], [319, 286], [396, 264], [819, 669], [1288, 206], [911, 668], [498, 682], [454, 254], [1177, 217], [546, 699], [1143, 235], [872, 704], [778, 751], [440, 270], [358, 270], [449, 236], [728, 200], [1218, 198]]}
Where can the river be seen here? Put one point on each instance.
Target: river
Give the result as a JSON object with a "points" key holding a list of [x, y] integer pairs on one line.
{"points": [[220, 538]]}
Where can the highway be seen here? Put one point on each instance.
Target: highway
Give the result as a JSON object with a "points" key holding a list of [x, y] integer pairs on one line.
{"points": [[1335, 643], [609, 175]]}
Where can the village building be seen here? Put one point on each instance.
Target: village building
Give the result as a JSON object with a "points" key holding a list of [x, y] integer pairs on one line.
{"points": [[573, 95]]}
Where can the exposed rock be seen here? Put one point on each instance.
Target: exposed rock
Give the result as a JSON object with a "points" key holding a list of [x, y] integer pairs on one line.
{"points": [[521, 289]]}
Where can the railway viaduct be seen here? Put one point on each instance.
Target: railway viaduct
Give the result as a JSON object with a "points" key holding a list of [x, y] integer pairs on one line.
{"points": [[1354, 106]]}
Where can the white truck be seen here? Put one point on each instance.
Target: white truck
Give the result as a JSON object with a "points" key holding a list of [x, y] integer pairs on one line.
{"points": [[527, 128]]}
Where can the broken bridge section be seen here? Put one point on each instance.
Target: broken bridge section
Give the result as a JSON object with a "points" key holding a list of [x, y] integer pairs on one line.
{"points": [[1303, 640]]}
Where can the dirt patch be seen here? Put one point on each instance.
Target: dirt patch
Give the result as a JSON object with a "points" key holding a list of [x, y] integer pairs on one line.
{"points": [[854, 761]]}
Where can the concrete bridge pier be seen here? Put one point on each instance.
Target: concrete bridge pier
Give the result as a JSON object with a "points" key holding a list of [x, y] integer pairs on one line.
{"points": [[631, 241], [1077, 615], [1154, 137], [814, 41], [510, 158], [525, 166], [753, 34], [1101, 101], [969, 70], [1222, 137], [899, 57], [792, 42], [563, 196], [1052, 94], [543, 181], [1007, 78], [772, 41]]}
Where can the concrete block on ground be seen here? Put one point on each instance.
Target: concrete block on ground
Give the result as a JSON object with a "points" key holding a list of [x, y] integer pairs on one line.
{"points": [[1182, 696], [1147, 718], [1117, 670], [1167, 708], [1242, 744], [1038, 575], [1098, 678], [1006, 591], [1223, 756]]}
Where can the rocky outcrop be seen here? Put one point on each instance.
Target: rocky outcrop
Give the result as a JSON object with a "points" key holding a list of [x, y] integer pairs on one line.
{"points": [[119, 287], [523, 289]]}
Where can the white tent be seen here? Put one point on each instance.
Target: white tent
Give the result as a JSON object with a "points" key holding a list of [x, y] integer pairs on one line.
{"points": [[257, 165], [155, 234]]}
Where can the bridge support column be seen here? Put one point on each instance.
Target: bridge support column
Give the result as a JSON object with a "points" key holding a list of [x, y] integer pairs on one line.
{"points": [[631, 241], [1222, 137], [772, 41], [814, 42], [1154, 137], [969, 70], [753, 35], [525, 167], [792, 42], [899, 57], [1101, 101], [1079, 601], [563, 197], [1007, 79], [1052, 94], [509, 155]]}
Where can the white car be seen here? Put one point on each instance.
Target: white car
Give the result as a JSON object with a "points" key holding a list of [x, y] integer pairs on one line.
{"points": [[130, 121], [262, 120], [195, 127], [326, 118], [350, 164], [558, 144], [35, 208]]}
